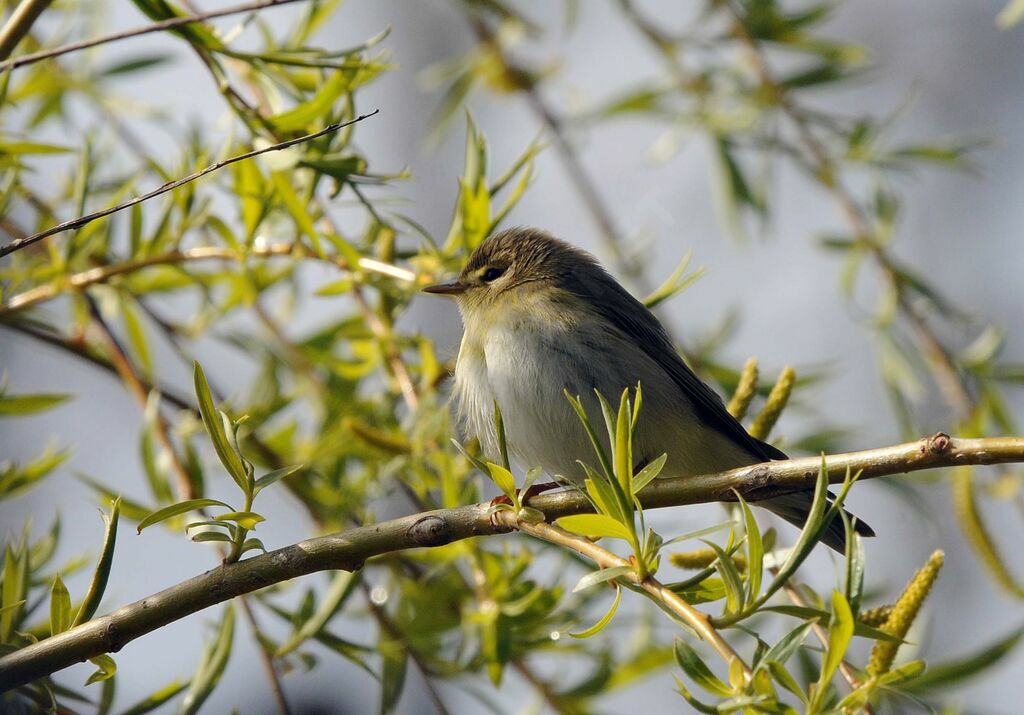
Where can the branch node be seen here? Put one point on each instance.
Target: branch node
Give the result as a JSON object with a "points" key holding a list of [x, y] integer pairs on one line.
{"points": [[939, 442], [431, 530]]}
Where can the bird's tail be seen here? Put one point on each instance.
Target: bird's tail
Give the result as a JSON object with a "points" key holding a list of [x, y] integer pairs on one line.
{"points": [[795, 507]]}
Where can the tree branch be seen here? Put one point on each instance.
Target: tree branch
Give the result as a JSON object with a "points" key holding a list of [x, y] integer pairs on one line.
{"points": [[664, 597], [19, 23], [348, 550], [136, 32], [20, 243], [101, 274]]}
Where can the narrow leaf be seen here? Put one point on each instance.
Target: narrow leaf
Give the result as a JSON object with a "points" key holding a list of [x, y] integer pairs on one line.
{"points": [[605, 620], [102, 573], [175, 509]]}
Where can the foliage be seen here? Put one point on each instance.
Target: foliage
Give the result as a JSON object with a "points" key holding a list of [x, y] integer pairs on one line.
{"points": [[348, 417]]}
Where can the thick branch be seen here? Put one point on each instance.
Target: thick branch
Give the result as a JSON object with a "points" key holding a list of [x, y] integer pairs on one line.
{"points": [[74, 223], [350, 549]]}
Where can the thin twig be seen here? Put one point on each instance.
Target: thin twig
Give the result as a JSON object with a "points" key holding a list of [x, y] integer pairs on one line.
{"points": [[101, 274], [542, 686], [81, 350], [666, 598], [170, 186], [266, 657], [132, 380], [394, 359], [944, 371], [350, 549], [138, 31], [385, 623]]}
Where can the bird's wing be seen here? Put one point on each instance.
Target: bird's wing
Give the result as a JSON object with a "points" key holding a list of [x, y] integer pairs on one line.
{"points": [[632, 318]]}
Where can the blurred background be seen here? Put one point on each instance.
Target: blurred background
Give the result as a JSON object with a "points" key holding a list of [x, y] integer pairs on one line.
{"points": [[943, 64]]}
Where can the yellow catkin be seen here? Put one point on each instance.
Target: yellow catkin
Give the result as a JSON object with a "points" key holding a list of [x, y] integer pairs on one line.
{"points": [[745, 390], [777, 399], [904, 611], [702, 558], [875, 617]]}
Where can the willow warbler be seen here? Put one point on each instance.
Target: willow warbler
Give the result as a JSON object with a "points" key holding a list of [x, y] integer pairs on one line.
{"points": [[542, 316]]}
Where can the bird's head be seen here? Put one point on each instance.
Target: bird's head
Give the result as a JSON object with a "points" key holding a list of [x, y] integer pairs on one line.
{"points": [[516, 268]]}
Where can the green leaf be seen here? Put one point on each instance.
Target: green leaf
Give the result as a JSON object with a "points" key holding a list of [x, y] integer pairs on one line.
{"points": [[605, 620], [297, 209], [338, 287], [246, 519], [698, 672], [135, 64], [595, 525], [14, 591], [309, 112], [136, 335], [602, 576], [252, 545], [726, 568], [676, 283], [786, 680], [393, 670], [152, 702], [1010, 15], [215, 428], [211, 664], [902, 673], [17, 148], [106, 669], [953, 672], [840, 632], [503, 478], [102, 572], [594, 441], [755, 552], [646, 475], [278, 474], [499, 431], [207, 536], [60, 607], [624, 444], [342, 586], [175, 509], [786, 646], [475, 461], [532, 474], [854, 585], [29, 404]]}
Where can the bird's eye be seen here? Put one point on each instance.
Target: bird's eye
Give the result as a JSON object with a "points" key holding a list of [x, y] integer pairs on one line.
{"points": [[492, 274]]}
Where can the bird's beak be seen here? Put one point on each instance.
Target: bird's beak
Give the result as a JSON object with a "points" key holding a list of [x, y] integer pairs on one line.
{"points": [[454, 288]]}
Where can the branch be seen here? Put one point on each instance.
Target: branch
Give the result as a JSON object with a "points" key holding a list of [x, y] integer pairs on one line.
{"points": [[19, 23], [350, 549], [101, 274], [20, 243], [136, 32], [664, 597]]}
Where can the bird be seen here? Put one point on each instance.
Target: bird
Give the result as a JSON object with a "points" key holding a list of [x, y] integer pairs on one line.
{"points": [[543, 318]]}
